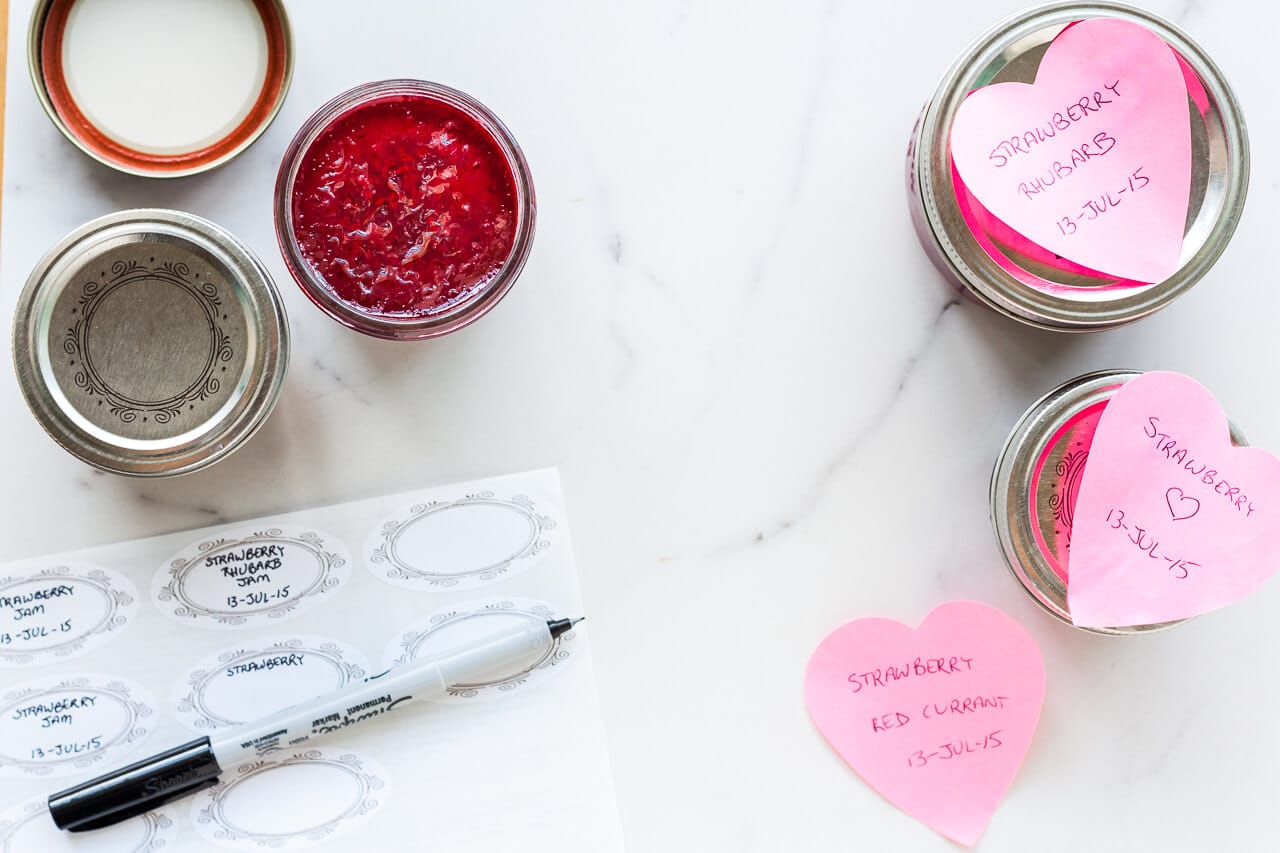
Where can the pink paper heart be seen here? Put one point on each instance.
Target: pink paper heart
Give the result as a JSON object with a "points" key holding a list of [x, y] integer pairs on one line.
{"points": [[937, 719], [1172, 520], [1105, 131]]}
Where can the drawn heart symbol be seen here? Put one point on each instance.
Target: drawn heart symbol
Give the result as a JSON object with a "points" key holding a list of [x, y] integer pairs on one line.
{"points": [[1093, 160], [1190, 505], [937, 719], [1137, 559]]}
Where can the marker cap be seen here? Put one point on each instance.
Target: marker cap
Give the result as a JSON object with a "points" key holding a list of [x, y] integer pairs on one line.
{"points": [[133, 790]]}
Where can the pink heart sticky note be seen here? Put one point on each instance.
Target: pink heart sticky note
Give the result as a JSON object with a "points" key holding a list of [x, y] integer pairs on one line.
{"points": [[1172, 520], [937, 719], [1092, 161]]}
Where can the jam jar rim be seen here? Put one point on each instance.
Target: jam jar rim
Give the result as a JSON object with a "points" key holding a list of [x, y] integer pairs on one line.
{"points": [[970, 263], [385, 326]]}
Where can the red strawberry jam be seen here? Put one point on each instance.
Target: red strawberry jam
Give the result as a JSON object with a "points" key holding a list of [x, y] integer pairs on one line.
{"points": [[405, 207]]}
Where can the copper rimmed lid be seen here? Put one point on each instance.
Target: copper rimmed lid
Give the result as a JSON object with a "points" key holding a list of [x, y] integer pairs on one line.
{"points": [[150, 343], [161, 89]]}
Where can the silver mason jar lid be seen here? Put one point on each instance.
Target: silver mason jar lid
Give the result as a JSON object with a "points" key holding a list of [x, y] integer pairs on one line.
{"points": [[150, 343], [1011, 52], [1024, 514]]}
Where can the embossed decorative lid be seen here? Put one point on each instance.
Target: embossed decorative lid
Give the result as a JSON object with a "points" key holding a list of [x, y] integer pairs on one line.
{"points": [[150, 343]]}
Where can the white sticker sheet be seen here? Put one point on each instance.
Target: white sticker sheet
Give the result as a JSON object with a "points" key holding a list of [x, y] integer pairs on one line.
{"points": [[119, 652]]}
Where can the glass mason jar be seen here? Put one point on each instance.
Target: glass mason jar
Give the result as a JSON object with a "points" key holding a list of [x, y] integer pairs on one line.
{"points": [[1036, 482], [1009, 273], [427, 160]]}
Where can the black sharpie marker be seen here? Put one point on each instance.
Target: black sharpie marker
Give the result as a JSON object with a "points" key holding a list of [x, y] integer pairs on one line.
{"points": [[185, 769]]}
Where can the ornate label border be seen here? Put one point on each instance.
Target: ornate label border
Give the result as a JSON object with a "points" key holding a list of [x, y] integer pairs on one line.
{"points": [[385, 560], [75, 342], [411, 639], [169, 589], [157, 826], [120, 600], [209, 814], [139, 720], [192, 708]]}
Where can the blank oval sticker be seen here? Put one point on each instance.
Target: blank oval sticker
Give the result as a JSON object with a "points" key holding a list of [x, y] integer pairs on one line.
{"points": [[290, 802], [457, 624], [460, 543]]}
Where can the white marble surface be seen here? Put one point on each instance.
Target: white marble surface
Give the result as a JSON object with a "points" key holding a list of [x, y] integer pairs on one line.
{"points": [[770, 413]]}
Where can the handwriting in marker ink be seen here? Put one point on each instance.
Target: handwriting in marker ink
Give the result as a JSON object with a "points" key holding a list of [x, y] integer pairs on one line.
{"points": [[1181, 455], [1186, 506], [1146, 542], [1096, 207]]}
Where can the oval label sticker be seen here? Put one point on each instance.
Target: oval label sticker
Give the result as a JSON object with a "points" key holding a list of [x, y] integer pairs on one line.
{"points": [[62, 725], [60, 611], [460, 543], [290, 801], [467, 621], [248, 683], [250, 577]]}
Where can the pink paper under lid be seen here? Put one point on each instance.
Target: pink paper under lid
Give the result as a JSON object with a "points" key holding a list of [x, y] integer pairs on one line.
{"points": [[1212, 547], [1195, 88], [1137, 239], [955, 796], [987, 229]]}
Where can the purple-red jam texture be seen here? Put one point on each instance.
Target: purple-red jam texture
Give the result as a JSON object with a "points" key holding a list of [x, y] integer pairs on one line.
{"points": [[405, 207]]}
